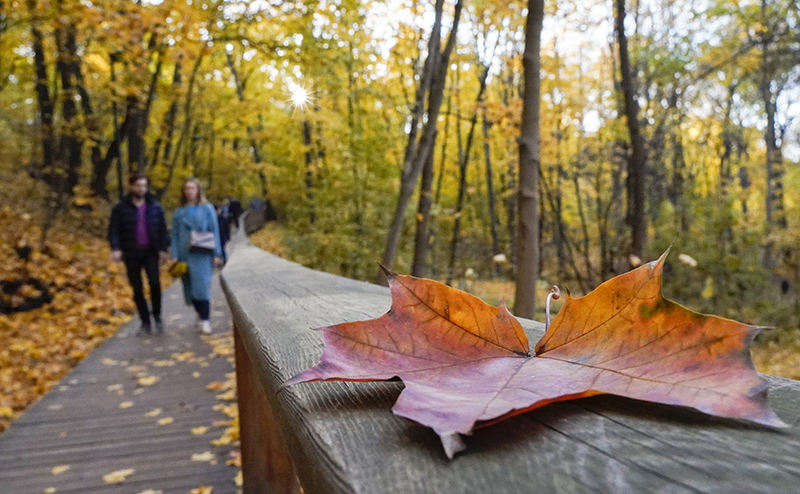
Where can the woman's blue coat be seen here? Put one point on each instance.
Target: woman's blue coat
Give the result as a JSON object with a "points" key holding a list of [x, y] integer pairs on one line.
{"points": [[197, 281]]}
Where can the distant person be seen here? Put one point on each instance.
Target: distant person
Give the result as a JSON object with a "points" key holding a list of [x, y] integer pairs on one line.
{"points": [[224, 221], [196, 214], [138, 236], [235, 209]]}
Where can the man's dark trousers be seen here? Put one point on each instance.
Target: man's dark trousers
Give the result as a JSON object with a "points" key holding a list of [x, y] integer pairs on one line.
{"points": [[135, 261]]}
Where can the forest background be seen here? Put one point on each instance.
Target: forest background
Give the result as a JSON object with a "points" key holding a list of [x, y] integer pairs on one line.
{"points": [[389, 131]]}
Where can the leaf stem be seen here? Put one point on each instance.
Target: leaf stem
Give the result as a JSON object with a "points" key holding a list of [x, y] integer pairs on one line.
{"points": [[554, 294]]}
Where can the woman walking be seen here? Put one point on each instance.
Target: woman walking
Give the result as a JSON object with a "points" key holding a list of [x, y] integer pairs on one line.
{"points": [[193, 243]]}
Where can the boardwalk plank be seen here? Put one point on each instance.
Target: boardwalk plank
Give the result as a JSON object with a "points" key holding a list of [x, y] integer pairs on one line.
{"points": [[80, 423]]}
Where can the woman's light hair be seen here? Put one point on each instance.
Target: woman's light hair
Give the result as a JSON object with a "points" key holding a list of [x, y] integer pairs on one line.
{"points": [[201, 198]]}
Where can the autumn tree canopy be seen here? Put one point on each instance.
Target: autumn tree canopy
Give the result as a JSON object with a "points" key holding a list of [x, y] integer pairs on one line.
{"points": [[660, 122]]}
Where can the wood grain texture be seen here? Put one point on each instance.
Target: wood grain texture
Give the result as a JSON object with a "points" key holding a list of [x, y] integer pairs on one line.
{"points": [[343, 438], [266, 466]]}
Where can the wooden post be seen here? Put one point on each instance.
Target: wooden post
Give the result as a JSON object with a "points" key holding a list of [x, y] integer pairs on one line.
{"points": [[266, 466]]}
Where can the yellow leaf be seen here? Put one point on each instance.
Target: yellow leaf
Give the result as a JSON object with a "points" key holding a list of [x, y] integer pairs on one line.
{"points": [[197, 431], [708, 291], [203, 489], [238, 480], [118, 476], [148, 381], [195, 374], [206, 456], [151, 491], [228, 395], [165, 421], [126, 404], [182, 357], [6, 413], [59, 469], [153, 413], [50, 490], [114, 387]]}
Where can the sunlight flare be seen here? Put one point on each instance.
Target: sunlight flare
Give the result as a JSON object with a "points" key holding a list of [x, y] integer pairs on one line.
{"points": [[300, 96]]}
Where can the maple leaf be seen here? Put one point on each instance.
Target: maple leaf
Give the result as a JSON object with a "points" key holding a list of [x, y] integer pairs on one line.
{"points": [[466, 364]]}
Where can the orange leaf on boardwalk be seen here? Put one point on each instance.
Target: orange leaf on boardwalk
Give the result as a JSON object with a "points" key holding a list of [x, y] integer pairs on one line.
{"points": [[465, 364]]}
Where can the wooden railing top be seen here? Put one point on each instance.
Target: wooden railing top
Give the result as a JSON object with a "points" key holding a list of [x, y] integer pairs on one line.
{"points": [[342, 436]]}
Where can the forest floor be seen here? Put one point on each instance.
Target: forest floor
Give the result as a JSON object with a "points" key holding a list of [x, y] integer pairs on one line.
{"points": [[776, 352]]}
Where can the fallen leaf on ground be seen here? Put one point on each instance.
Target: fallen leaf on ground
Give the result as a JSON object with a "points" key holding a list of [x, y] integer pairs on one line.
{"points": [[203, 489], [148, 381], [215, 386], [182, 357], [227, 396], [58, 470], [50, 490], [151, 491], [466, 364], [126, 404], [114, 387], [118, 476], [153, 413], [238, 481], [198, 431], [205, 456], [165, 421], [235, 460]]}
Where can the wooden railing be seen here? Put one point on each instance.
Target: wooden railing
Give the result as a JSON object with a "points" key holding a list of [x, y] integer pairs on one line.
{"points": [[341, 437]]}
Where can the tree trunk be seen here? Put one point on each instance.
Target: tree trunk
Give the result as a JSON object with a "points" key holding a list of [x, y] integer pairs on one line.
{"points": [[136, 149], [253, 144], [775, 170], [436, 67], [462, 181], [71, 152], [309, 162], [528, 227], [168, 127], [443, 156], [636, 160], [587, 262], [46, 108], [171, 158], [422, 240], [493, 222]]}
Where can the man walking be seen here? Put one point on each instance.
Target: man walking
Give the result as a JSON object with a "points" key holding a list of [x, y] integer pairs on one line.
{"points": [[235, 210], [138, 236]]}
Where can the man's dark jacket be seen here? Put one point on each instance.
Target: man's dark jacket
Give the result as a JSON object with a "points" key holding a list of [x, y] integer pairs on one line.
{"points": [[122, 227]]}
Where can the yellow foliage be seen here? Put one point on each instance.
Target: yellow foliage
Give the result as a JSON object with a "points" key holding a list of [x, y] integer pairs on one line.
{"points": [[91, 295]]}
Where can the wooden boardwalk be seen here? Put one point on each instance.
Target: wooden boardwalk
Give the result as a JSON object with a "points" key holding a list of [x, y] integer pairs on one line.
{"points": [[110, 414]]}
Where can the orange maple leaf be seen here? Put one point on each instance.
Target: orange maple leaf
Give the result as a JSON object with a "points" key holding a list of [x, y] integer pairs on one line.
{"points": [[466, 364]]}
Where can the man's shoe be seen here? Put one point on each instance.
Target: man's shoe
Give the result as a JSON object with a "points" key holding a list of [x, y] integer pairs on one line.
{"points": [[159, 327], [205, 327], [144, 330]]}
